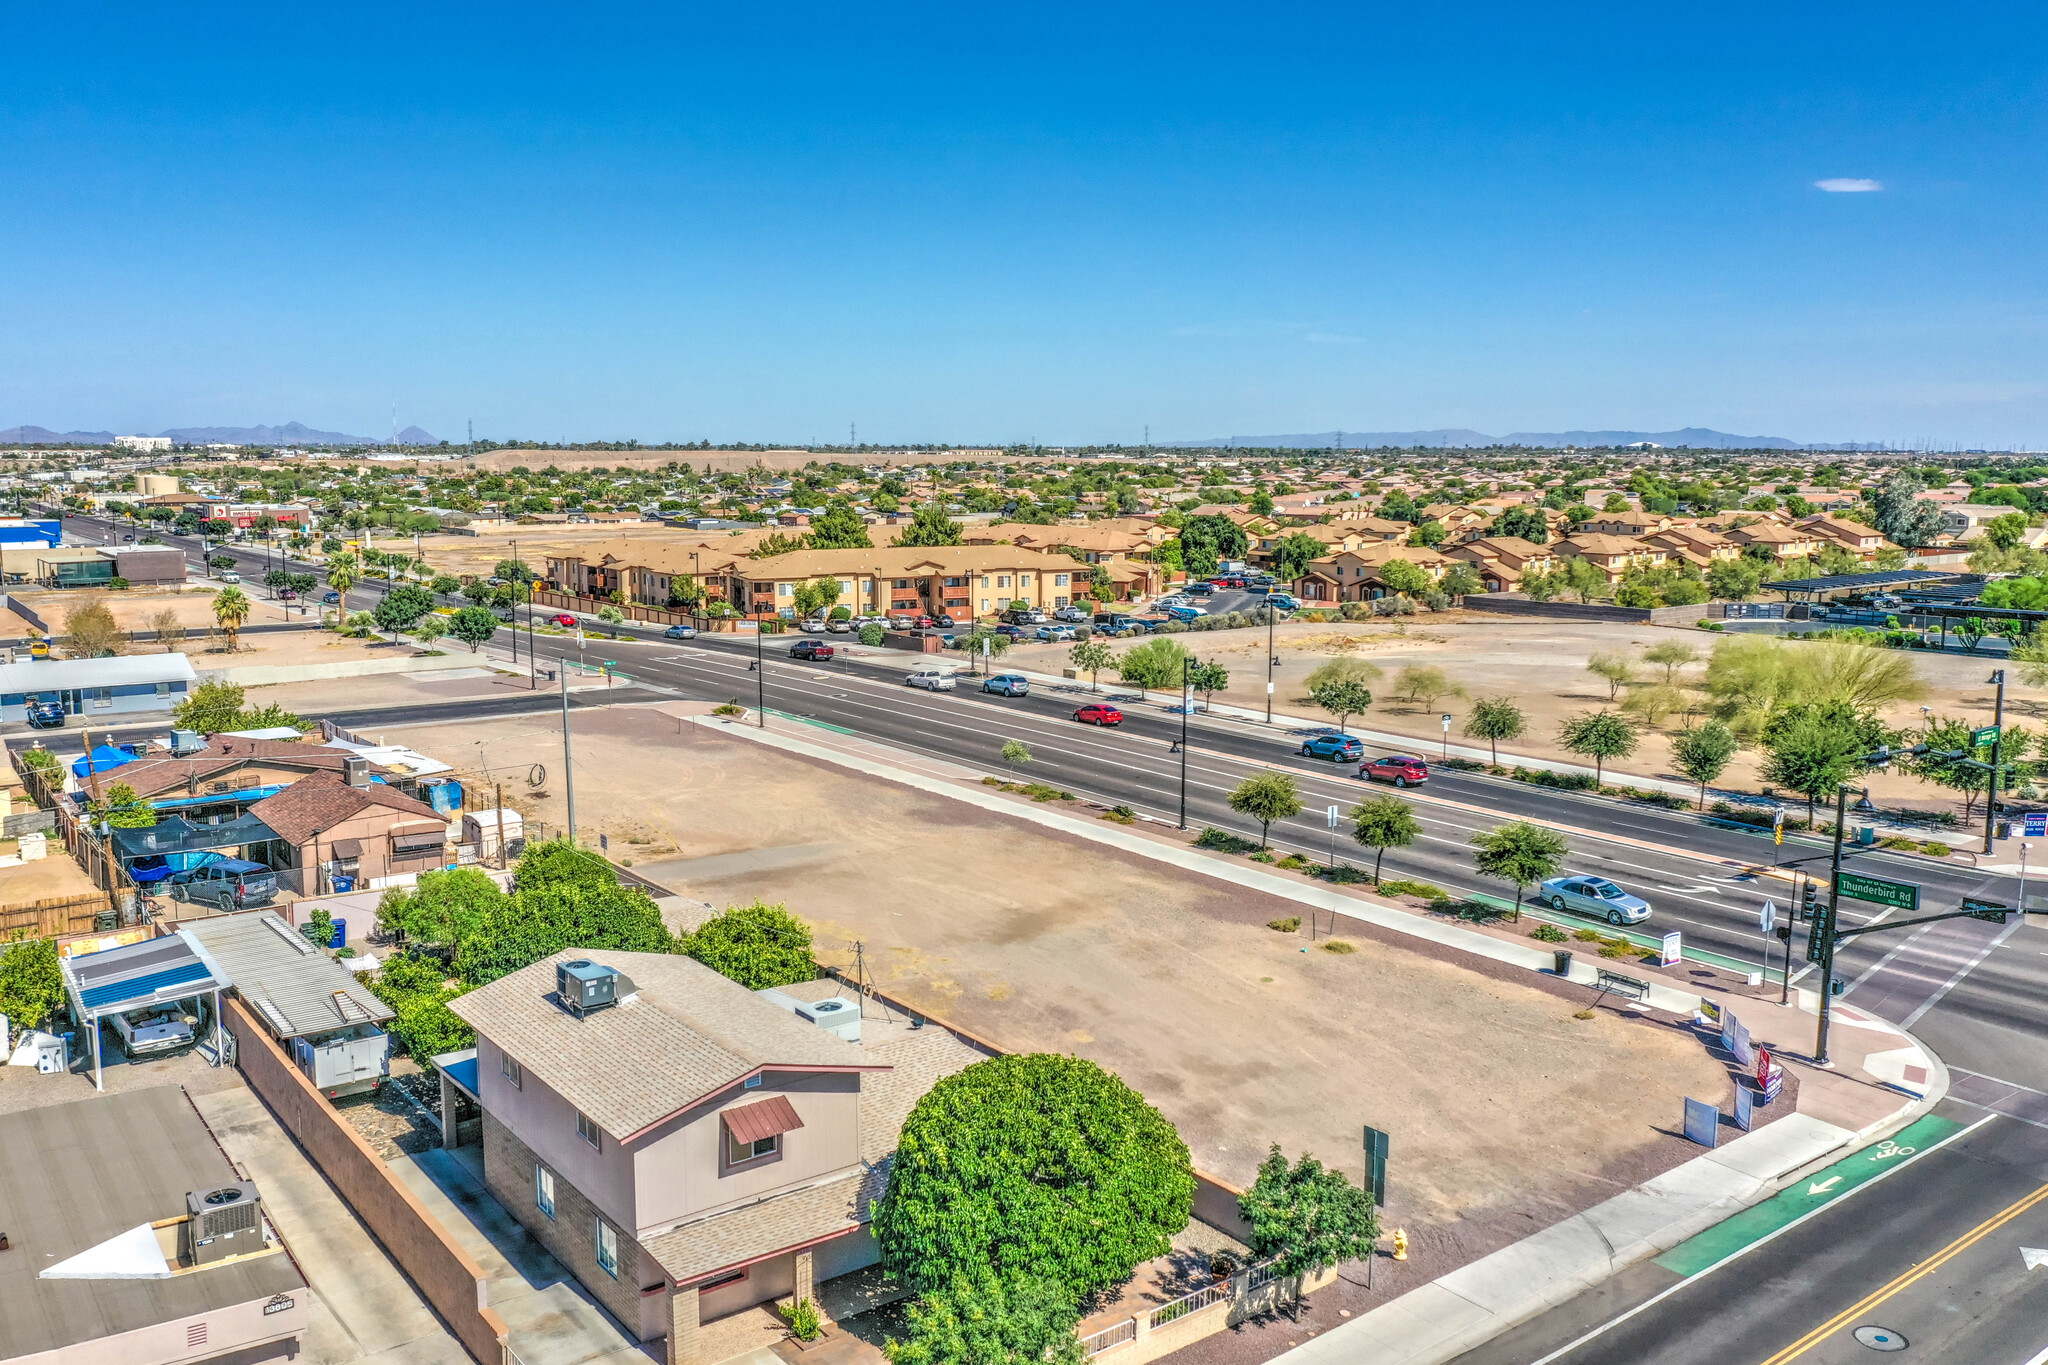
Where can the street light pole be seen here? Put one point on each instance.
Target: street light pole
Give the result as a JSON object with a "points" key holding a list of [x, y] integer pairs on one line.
{"points": [[1271, 659], [1826, 929], [1186, 697], [1997, 745], [760, 676], [568, 764]]}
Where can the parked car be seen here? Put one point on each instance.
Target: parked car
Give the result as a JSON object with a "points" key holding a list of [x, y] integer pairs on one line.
{"points": [[1283, 600], [150, 1032], [230, 576], [946, 620], [814, 626], [1025, 617], [1398, 769], [227, 884], [680, 633], [1015, 632], [565, 620], [1050, 632], [1227, 581], [1099, 713], [1199, 589], [810, 649], [840, 627], [1258, 589], [1336, 748], [1186, 613], [1073, 614], [1595, 896], [45, 715], [932, 680], [1008, 684], [1172, 599]]}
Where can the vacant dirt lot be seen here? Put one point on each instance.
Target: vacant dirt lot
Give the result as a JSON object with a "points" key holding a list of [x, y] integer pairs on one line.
{"points": [[1542, 665], [1503, 1108]]}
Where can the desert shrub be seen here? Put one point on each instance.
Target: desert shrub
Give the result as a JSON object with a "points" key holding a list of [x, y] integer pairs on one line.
{"points": [[1291, 924], [1549, 933]]}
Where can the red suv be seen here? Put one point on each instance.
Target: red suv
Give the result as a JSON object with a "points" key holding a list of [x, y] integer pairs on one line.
{"points": [[810, 649], [1096, 713], [1396, 769], [565, 621], [1228, 581]]}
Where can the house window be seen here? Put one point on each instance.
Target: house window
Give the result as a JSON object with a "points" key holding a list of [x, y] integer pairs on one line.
{"points": [[1023, 580], [544, 1189], [900, 583], [587, 1129], [782, 589], [984, 580], [1003, 581], [984, 604], [607, 1248], [102, 697], [163, 689], [738, 1151], [1059, 580], [511, 1071]]}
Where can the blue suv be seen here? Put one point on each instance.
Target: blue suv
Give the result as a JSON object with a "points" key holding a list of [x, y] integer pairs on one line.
{"points": [[1336, 748], [1009, 684]]}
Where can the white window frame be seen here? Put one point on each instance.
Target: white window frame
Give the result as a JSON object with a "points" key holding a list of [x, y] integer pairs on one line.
{"points": [[544, 1190], [606, 1248], [587, 1129], [511, 1071], [738, 1153]]}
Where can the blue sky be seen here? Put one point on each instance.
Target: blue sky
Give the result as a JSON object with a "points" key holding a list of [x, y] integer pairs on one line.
{"points": [[976, 223]]}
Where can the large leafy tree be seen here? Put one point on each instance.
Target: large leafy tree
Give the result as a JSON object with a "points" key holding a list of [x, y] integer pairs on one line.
{"points": [[1405, 577], [1898, 510], [1382, 823], [1266, 797], [982, 1318], [1598, 735], [1156, 663], [1206, 541], [1293, 553], [1341, 697], [1703, 752], [1519, 852], [930, 525], [474, 626], [1494, 719], [403, 607], [1524, 522], [31, 984], [839, 527], [1035, 1165], [1814, 749], [1306, 1217], [758, 945]]}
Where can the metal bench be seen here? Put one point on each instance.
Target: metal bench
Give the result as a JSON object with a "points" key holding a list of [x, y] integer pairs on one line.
{"points": [[1629, 987]]}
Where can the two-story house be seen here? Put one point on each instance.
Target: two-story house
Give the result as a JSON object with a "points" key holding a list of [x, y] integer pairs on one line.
{"points": [[695, 1149], [1503, 561], [1612, 555]]}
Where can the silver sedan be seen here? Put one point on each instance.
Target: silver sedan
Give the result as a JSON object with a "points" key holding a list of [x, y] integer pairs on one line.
{"points": [[1595, 896]]}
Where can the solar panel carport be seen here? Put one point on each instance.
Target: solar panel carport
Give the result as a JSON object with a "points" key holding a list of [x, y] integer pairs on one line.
{"points": [[137, 976]]}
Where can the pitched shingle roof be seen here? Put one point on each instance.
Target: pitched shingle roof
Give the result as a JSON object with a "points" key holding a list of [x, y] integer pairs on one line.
{"points": [[688, 1033], [325, 799]]}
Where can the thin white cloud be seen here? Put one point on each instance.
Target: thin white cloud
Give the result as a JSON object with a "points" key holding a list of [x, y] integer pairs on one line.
{"points": [[1845, 185]]}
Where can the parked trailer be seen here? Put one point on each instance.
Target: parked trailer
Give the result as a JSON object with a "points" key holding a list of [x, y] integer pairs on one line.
{"points": [[349, 1061]]}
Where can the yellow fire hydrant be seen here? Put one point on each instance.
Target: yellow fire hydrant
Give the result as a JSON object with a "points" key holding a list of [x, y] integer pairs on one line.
{"points": [[1400, 1244]]}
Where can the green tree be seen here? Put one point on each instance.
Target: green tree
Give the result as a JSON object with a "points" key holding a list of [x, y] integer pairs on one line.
{"points": [[1342, 698], [318, 929], [1403, 577], [1424, 685], [930, 525], [474, 626], [1293, 553], [214, 707], [1902, 515], [1671, 655], [1208, 679], [1306, 1217], [1206, 541], [126, 810], [444, 909], [568, 897], [1266, 797], [1381, 823], [1525, 522], [430, 628], [2005, 530], [1091, 657], [981, 1318], [1016, 751], [1702, 753], [31, 983], [1521, 853], [231, 612], [1613, 669], [1600, 736], [1813, 751], [513, 571], [1035, 1165], [1155, 663], [1494, 719], [758, 945], [1460, 580], [839, 527], [402, 608], [1734, 580]]}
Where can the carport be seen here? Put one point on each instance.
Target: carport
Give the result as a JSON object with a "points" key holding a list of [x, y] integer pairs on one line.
{"points": [[168, 838], [136, 976]]}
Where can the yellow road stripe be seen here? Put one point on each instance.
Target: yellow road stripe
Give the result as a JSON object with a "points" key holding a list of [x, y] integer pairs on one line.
{"points": [[1925, 1268]]}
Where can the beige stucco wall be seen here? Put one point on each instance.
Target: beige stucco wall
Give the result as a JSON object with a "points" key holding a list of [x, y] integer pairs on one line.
{"points": [[546, 1123], [682, 1170]]}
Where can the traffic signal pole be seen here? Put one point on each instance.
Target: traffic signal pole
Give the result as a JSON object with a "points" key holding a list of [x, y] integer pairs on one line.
{"points": [[1823, 931]]}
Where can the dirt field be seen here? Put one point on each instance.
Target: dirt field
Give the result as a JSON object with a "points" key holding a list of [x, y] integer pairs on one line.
{"points": [[480, 553], [1542, 665], [1504, 1108]]}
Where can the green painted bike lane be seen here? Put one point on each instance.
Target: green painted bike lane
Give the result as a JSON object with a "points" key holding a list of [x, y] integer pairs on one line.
{"points": [[1752, 1225]]}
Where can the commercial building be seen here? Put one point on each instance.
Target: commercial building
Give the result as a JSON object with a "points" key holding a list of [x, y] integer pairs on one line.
{"points": [[97, 688], [115, 1254], [143, 442]]}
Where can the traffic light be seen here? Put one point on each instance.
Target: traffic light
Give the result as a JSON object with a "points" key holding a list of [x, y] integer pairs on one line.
{"points": [[1822, 930], [1809, 903]]}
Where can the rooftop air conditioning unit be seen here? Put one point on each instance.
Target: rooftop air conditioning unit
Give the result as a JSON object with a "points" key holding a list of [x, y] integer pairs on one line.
{"points": [[186, 742], [220, 1223], [356, 771], [835, 1016], [585, 986]]}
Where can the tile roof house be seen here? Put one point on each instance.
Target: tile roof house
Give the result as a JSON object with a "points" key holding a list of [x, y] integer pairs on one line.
{"points": [[1612, 555], [1502, 561], [697, 1148], [1356, 575]]}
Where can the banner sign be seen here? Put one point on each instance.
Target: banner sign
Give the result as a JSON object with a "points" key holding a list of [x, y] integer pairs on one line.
{"points": [[1702, 1122], [1745, 1106], [1769, 1075], [2037, 824], [1669, 958]]}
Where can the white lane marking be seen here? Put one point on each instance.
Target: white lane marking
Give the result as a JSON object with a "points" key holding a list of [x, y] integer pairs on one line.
{"points": [[1961, 972]]}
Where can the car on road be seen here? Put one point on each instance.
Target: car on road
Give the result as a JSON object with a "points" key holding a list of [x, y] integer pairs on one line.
{"points": [[227, 884], [230, 576], [1336, 748], [810, 649], [1073, 614], [287, 595], [1595, 896], [1099, 713], [1050, 632], [565, 620], [330, 598], [1398, 769], [932, 680], [1008, 684], [680, 633]]}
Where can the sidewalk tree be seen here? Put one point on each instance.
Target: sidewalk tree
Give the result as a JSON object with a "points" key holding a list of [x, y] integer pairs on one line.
{"points": [[1091, 657], [1814, 749], [1521, 853], [1037, 1165], [430, 628], [402, 608], [1702, 753], [1612, 669], [1266, 797], [1382, 823], [1598, 735], [1016, 751], [758, 945], [231, 612], [1306, 1217], [1494, 719], [474, 626], [1208, 679], [1155, 664]]}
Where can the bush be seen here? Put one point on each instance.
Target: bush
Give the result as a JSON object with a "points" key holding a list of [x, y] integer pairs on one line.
{"points": [[1549, 933], [1344, 875], [1586, 935], [1223, 841], [1290, 925], [1935, 849], [31, 984], [980, 1318], [758, 945], [871, 635], [1338, 946], [805, 1322], [1410, 888], [731, 708], [1294, 862]]}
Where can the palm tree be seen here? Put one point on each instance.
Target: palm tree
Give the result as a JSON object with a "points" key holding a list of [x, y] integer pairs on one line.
{"points": [[230, 612], [343, 569]]}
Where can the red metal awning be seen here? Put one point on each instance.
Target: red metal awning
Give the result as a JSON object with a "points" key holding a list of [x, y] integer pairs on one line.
{"points": [[766, 1119]]}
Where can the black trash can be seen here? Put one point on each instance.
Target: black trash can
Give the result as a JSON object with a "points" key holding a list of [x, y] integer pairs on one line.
{"points": [[1564, 962]]}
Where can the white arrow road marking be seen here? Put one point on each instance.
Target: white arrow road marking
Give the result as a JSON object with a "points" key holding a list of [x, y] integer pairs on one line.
{"points": [[2034, 1257], [1823, 1186], [1691, 890]]}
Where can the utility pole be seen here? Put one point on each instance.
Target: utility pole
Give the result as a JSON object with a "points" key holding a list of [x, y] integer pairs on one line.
{"points": [[1997, 746], [760, 676], [1271, 660], [568, 763], [1187, 698], [1824, 928]]}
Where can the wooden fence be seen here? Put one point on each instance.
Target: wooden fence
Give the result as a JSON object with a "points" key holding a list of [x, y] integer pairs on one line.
{"points": [[54, 916]]}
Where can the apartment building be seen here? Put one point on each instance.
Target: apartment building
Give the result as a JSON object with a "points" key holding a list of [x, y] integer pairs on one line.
{"points": [[1503, 562], [695, 1149], [1694, 543], [1613, 555], [1355, 575], [1863, 541]]}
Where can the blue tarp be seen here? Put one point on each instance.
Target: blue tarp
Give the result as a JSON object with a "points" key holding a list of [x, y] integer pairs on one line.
{"points": [[104, 758]]}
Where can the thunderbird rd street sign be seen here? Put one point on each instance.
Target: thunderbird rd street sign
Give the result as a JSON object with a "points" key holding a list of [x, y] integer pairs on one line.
{"points": [[1878, 891]]}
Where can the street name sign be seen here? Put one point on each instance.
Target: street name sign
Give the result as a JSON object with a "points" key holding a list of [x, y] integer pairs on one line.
{"points": [[1878, 891], [1985, 737]]}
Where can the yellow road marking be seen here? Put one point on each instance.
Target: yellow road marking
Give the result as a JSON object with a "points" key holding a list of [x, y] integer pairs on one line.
{"points": [[1918, 1272]]}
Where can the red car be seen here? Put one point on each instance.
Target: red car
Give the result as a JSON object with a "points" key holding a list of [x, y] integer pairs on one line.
{"points": [[565, 620], [1229, 581], [1397, 769], [1096, 713], [810, 649]]}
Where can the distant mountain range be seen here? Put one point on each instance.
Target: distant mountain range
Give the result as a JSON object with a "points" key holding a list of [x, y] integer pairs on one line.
{"points": [[290, 434], [1696, 437]]}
